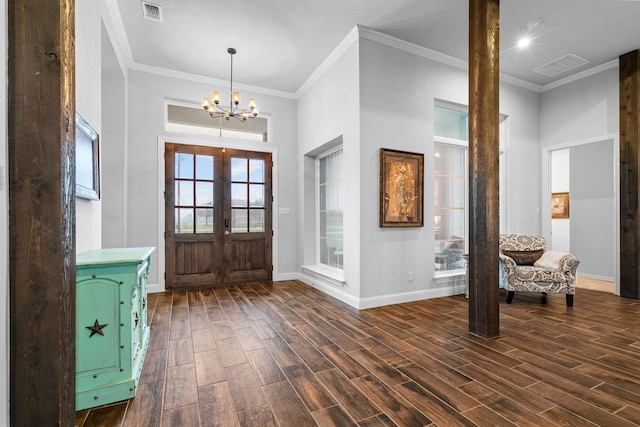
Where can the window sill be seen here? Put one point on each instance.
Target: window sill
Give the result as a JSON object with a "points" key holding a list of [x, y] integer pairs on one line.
{"points": [[449, 277], [330, 274]]}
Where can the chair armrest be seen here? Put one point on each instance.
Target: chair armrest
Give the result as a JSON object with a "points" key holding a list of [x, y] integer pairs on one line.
{"points": [[569, 263], [507, 261]]}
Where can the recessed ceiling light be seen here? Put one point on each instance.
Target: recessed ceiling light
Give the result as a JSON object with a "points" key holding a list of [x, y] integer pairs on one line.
{"points": [[524, 42]]}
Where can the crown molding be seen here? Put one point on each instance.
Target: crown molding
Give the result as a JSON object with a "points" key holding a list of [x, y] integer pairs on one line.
{"points": [[581, 75], [209, 80], [387, 40], [434, 55], [350, 38], [112, 20]]}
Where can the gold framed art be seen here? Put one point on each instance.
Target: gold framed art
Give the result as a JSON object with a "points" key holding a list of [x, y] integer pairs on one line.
{"points": [[401, 188], [560, 205]]}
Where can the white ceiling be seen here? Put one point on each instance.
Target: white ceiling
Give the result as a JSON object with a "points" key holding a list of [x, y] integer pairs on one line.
{"points": [[281, 42]]}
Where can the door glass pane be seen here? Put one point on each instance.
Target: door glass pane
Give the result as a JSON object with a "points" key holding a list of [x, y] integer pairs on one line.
{"points": [[204, 167], [239, 195], [256, 221], [204, 220], [239, 170], [256, 170], [204, 193], [184, 193], [184, 165], [184, 220], [239, 221], [256, 195]]}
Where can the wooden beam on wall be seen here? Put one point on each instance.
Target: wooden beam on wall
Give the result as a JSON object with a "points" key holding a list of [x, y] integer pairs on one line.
{"points": [[484, 152], [630, 174], [41, 134]]}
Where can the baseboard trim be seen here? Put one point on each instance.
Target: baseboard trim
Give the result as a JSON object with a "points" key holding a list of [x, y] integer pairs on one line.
{"points": [[399, 298], [154, 288], [595, 276], [329, 289], [380, 300]]}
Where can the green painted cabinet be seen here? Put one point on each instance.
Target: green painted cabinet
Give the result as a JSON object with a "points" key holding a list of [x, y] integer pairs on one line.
{"points": [[112, 334]]}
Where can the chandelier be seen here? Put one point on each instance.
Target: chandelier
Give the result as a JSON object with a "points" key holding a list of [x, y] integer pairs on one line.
{"points": [[212, 105]]}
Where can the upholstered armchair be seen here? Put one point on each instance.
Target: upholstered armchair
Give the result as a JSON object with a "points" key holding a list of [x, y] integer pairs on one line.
{"points": [[528, 267]]}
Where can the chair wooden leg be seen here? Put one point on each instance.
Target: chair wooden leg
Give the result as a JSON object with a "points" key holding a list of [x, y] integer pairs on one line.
{"points": [[510, 296], [569, 300]]}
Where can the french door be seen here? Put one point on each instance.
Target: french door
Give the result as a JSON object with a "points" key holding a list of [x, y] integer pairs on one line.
{"points": [[217, 216]]}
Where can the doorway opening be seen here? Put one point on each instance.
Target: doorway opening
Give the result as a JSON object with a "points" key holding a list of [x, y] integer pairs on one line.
{"points": [[581, 208]]}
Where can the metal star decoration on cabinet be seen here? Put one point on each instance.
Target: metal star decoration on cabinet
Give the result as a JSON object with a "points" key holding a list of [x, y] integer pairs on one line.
{"points": [[96, 328]]}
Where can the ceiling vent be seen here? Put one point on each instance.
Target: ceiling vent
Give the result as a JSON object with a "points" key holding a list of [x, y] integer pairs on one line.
{"points": [[560, 65], [152, 12]]}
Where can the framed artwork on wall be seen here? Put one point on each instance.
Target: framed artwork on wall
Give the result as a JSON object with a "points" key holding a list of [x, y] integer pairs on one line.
{"points": [[401, 188], [559, 205], [87, 160]]}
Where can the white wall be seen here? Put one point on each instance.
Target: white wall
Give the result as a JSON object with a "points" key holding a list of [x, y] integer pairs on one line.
{"points": [[328, 109], [581, 110], [592, 208], [397, 92], [410, 85], [88, 103], [522, 151], [147, 93], [578, 113], [113, 144]]}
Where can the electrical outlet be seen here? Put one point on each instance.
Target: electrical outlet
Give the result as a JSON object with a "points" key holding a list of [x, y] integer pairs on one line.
{"points": [[410, 276]]}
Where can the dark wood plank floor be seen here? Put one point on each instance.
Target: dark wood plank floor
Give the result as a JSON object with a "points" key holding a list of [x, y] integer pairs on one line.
{"points": [[284, 354]]}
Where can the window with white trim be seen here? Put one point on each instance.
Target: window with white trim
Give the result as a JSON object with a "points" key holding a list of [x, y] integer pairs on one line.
{"points": [[330, 223], [450, 188]]}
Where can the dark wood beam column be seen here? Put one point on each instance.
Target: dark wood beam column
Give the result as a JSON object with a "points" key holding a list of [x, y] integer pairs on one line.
{"points": [[484, 152], [629, 174], [41, 131]]}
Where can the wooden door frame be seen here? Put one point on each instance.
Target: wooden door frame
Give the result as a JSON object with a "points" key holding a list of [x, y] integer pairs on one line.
{"points": [[219, 143]]}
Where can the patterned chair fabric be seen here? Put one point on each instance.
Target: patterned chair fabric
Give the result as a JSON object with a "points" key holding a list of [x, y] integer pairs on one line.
{"points": [[529, 278]]}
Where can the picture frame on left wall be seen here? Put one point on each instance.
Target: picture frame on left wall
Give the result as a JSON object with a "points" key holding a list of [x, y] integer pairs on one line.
{"points": [[87, 160]]}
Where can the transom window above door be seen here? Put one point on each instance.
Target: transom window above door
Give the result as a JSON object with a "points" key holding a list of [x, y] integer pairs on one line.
{"points": [[195, 120]]}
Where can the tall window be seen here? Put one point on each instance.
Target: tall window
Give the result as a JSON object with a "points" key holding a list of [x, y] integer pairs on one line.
{"points": [[330, 190], [450, 182]]}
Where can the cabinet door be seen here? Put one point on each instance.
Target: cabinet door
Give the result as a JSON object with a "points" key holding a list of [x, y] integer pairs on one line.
{"points": [[97, 326]]}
